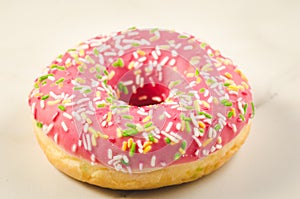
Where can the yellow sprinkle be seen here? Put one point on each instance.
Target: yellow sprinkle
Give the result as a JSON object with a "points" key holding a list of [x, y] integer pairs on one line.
{"points": [[66, 101], [98, 94], [140, 52], [146, 119], [81, 53], [154, 38], [88, 120], [241, 87], [233, 111], [207, 142], [68, 64], [149, 128], [80, 80], [205, 104], [119, 133], [53, 102], [94, 143], [83, 115], [228, 75], [182, 151], [218, 64], [219, 141], [198, 80], [102, 135], [190, 75], [124, 146], [147, 143], [182, 125], [233, 88], [130, 65], [201, 124], [92, 70], [147, 149], [38, 94], [111, 75], [109, 115], [239, 72], [196, 106], [129, 143], [245, 85]]}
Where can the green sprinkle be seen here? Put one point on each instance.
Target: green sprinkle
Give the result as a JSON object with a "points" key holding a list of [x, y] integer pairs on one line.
{"points": [[135, 44], [197, 73], [108, 99], [130, 125], [245, 108], [60, 80], [132, 149], [177, 156], [44, 77], [187, 119], [225, 102], [226, 84], [61, 107], [202, 90], [148, 125], [242, 117], [151, 137], [96, 52], [105, 72], [188, 127], [217, 127], [98, 76], [183, 145], [123, 162], [39, 124], [87, 91], [44, 97], [132, 28], [174, 83], [205, 114], [253, 109], [153, 30], [36, 85], [230, 114], [100, 105], [77, 88], [60, 56], [71, 49], [129, 117], [201, 130], [118, 63], [57, 67], [130, 132], [80, 69], [183, 37], [167, 140], [203, 45]]}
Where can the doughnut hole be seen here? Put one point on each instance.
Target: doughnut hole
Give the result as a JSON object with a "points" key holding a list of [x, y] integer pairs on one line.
{"points": [[149, 94]]}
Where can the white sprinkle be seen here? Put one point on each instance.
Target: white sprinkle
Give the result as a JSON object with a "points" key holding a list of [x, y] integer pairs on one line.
{"points": [[197, 152], [142, 82], [167, 114], [64, 126], [152, 81], [127, 83], [153, 161], [154, 55], [188, 47], [206, 92], [210, 99], [135, 55], [109, 154], [33, 108], [120, 53], [174, 53], [212, 149], [142, 59], [103, 124], [169, 136], [110, 53], [141, 166], [55, 138], [49, 128], [133, 89], [221, 68], [164, 61], [157, 51], [193, 118], [241, 107], [137, 79], [221, 116], [234, 128], [85, 127], [197, 141], [88, 141], [176, 135], [142, 112], [69, 104], [93, 157], [42, 104], [205, 152], [67, 115], [172, 62], [156, 98], [76, 115], [218, 146], [169, 126], [83, 100], [125, 159], [74, 148], [233, 93], [196, 132], [160, 76], [178, 126], [239, 99]]}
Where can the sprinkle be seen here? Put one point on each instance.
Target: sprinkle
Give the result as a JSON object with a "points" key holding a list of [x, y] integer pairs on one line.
{"points": [[253, 109], [205, 114], [173, 139], [147, 149], [157, 51], [240, 107], [129, 117], [164, 61], [188, 127], [167, 140], [129, 132], [169, 126], [225, 102], [39, 124], [154, 55], [132, 149], [142, 59], [197, 141], [44, 97], [172, 62], [178, 126], [48, 128], [234, 128], [67, 115], [74, 148], [55, 138], [61, 107], [143, 97], [153, 160], [148, 125], [167, 114], [156, 98], [42, 104], [124, 146], [64, 126], [177, 156], [230, 114]]}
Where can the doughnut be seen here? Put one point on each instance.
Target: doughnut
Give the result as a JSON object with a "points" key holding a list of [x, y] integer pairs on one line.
{"points": [[141, 109]]}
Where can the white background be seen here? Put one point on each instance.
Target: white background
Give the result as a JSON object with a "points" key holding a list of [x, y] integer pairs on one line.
{"points": [[262, 37]]}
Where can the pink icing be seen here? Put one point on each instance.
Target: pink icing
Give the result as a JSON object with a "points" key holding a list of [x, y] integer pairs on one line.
{"points": [[140, 100]]}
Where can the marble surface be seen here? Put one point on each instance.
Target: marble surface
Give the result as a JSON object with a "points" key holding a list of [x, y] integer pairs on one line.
{"points": [[262, 37]]}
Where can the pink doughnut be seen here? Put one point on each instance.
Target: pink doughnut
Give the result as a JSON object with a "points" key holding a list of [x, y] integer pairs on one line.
{"points": [[141, 109]]}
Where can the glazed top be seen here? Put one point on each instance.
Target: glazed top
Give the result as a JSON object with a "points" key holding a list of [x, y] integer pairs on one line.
{"points": [[139, 100]]}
